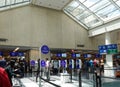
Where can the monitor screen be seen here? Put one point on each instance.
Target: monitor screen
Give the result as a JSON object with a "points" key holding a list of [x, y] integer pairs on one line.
{"points": [[1, 53], [58, 54], [20, 54], [77, 55], [64, 55], [89, 55], [98, 56], [73, 55], [13, 54], [85, 55]]}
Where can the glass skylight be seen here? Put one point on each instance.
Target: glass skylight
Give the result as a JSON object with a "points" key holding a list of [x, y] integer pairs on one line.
{"points": [[93, 13], [5, 4]]}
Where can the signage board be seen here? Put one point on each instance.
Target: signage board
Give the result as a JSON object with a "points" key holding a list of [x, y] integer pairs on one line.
{"points": [[45, 49]]}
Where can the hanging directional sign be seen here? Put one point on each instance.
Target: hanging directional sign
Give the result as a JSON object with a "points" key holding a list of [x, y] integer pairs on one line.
{"points": [[45, 49]]}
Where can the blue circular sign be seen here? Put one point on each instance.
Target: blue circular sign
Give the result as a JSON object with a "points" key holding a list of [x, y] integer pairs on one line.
{"points": [[32, 62], [45, 49], [63, 63], [43, 63]]}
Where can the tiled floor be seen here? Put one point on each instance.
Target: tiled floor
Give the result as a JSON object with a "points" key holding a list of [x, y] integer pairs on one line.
{"points": [[30, 82], [66, 82]]}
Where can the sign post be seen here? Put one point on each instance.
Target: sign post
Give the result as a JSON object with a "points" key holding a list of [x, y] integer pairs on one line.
{"points": [[44, 50]]}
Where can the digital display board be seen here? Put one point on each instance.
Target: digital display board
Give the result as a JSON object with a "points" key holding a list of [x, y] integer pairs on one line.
{"points": [[59, 55], [13, 53], [77, 55], [73, 55], [64, 55], [108, 49], [20, 54]]}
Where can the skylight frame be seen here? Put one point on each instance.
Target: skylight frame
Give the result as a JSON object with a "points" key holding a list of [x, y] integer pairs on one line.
{"points": [[103, 21], [12, 3]]}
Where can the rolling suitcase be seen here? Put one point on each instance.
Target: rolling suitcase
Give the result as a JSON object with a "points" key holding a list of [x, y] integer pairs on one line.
{"points": [[117, 73]]}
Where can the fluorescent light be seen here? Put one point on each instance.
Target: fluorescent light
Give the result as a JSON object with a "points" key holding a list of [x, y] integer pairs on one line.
{"points": [[16, 49]]}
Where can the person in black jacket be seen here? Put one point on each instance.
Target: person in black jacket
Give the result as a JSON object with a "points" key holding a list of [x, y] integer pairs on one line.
{"points": [[38, 69]]}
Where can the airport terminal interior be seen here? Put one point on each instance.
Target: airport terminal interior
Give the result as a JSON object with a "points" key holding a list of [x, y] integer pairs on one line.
{"points": [[60, 43]]}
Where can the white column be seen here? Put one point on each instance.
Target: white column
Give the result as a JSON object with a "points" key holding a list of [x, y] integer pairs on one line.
{"points": [[109, 60], [107, 38]]}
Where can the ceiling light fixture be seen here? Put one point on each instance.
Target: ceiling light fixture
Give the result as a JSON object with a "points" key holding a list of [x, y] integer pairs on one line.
{"points": [[16, 49]]}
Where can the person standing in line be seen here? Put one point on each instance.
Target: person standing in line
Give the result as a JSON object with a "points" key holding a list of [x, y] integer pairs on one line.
{"points": [[4, 79], [2, 61], [47, 68], [38, 69], [102, 65]]}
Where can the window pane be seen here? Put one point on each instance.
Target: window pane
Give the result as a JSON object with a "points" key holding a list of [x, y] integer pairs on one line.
{"points": [[72, 6], [17, 1], [78, 10], [89, 3], [83, 15], [2, 3], [118, 2], [88, 19], [114, 14], [82, 0], [8, 2], [103, 13], [115, 0], [26, 0], [91, 21], [100, 5]]}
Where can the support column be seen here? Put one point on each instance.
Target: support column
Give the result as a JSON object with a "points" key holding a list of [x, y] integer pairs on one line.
{"points": [[109, 60]]}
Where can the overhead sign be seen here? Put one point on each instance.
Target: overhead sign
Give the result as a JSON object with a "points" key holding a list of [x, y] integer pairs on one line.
{"points": [[43, 63], [108, 49], [45, 49]]}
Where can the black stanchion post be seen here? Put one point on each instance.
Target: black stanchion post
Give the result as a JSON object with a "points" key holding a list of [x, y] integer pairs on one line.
{"points": [[100, 82], [80, 83], [71, 76], [96, 79]]}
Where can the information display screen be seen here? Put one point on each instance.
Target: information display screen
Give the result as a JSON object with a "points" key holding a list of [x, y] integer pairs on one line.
{"points": [[59, 55], [108, 49], [77, 55], [73, 55], [64, 55], [13, 53]]}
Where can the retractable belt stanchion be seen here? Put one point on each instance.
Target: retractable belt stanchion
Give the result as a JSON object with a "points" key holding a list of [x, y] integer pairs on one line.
{"points": [[80, 83]]}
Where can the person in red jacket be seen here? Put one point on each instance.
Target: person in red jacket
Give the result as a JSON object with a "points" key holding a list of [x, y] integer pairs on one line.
{"points": [[4, 80]]}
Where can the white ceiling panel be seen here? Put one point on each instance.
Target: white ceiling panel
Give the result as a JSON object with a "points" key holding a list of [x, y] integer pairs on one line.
{"points": [[53, 4]]}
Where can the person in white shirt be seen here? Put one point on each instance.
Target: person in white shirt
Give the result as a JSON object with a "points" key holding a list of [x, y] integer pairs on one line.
{"points": [[47, 68]]}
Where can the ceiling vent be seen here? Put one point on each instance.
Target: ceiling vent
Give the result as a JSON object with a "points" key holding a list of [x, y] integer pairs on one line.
{"points": [[80, 45], [3, 39]]}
